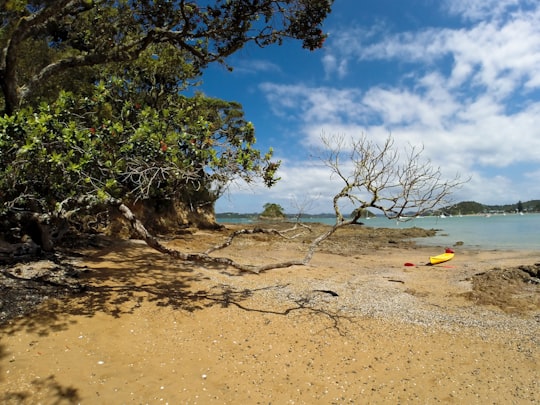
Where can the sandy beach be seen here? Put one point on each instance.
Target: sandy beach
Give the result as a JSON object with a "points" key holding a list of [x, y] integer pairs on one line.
{"points": [[355, 326]]}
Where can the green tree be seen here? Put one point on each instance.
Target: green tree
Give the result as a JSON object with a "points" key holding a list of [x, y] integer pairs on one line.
{"points": [[92, 96], [71, 34], [272, 210], [466, 208], [520, 206], [107, 146]]}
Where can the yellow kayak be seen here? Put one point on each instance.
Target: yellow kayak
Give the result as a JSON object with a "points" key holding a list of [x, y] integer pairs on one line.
{"points": [[442, 258]]}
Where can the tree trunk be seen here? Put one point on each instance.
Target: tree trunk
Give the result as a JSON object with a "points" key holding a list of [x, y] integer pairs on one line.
{"points": [[11, 95]]}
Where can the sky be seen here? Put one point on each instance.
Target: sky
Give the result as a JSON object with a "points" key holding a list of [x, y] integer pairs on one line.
{"points": [[458, 78]]}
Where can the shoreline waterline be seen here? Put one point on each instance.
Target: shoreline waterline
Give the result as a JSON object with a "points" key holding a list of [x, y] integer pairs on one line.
{"points": [[508, 232]]}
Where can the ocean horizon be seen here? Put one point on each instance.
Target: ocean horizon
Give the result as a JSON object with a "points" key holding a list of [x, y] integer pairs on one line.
{"points": [[497, 231]]}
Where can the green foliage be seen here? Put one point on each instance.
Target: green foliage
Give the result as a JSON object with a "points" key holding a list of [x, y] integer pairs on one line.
{"points": [[272, 210], [91, 95], [68, 35], [107, 145], [473, 207]]}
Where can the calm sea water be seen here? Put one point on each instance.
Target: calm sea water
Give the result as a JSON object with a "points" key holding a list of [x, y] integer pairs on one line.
{"points": [[511, 231]]}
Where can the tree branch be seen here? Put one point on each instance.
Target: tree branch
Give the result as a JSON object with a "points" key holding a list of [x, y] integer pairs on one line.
{"points": [[382, 179], [204, 257]]}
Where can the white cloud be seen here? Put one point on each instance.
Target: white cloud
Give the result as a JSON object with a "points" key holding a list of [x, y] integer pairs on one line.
{"points": [[333, 66], [313, 104], [305, 187], [425, 46], [501, 56], [253, 66], [481, 9], [466, 95], [481, 131], [429, 104], [503, 190]]}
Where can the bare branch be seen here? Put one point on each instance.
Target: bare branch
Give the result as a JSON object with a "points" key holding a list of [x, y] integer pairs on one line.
{"points": [[204, 257], [383, 179]]}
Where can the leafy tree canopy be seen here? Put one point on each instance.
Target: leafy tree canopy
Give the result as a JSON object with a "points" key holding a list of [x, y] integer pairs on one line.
{"points": [[272, 210], [65, 35], [114, 147], [92, 96]]}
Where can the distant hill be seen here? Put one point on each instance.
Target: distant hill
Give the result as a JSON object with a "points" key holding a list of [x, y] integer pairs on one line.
{"points": [[225, 215], [473, 207]]}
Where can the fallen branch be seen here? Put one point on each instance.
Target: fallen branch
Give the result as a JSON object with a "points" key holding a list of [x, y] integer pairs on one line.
{"points": [[204, 257], [253, 231]]}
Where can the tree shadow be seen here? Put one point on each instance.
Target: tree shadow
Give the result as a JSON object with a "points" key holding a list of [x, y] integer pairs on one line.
{"points": [[116, 282], [120, 278], [3, 354], [306, 304], [57, 393]]}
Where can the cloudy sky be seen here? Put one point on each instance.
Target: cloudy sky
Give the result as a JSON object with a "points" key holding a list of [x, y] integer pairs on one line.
{"points": [[460, 78]]}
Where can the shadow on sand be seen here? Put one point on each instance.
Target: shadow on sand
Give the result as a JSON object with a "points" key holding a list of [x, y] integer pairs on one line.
{"points": [[117, 280]]}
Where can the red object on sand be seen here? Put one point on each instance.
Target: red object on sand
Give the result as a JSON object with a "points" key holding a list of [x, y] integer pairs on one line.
{"points": [[409, 264], [448, 250]]}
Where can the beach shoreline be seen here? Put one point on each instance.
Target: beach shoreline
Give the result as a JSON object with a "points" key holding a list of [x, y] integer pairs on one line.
{"points": [[354, 326]]}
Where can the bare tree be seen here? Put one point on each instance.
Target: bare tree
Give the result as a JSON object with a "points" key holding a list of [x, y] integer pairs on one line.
{"points": [[400, 185], [301, 207]]}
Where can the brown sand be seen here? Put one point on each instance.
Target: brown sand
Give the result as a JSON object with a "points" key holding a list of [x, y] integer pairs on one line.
{"points": [[152, 330]]}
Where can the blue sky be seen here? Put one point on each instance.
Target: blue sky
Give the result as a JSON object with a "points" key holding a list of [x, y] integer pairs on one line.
{"points": [[459, 77]]}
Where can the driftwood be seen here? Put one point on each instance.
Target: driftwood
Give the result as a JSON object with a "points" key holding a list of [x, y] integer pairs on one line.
{"points": [[205, 257], [239, 232]]}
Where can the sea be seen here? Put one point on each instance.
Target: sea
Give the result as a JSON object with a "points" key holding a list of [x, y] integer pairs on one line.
{"points": [[486, 232]]}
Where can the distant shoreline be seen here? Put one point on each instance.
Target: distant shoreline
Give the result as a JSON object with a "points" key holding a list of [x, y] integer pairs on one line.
{"points": [[473, 231]]}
